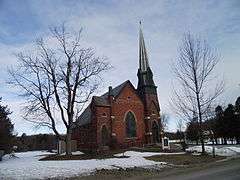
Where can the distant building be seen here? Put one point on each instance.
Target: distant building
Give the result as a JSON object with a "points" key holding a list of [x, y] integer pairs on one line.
{"points": [[124, 116]]}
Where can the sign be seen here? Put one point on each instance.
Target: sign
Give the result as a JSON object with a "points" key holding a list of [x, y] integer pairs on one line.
{"points": [[165, 143]]}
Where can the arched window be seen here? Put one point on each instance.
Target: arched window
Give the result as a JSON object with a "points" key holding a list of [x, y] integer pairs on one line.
{"points": [[130, 125]]}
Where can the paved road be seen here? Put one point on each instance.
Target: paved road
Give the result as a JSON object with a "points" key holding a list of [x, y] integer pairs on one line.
{"points": [[229, 170]]}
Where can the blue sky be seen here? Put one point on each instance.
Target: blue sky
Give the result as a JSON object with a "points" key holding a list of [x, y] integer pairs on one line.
{"points": [[111, 27]]}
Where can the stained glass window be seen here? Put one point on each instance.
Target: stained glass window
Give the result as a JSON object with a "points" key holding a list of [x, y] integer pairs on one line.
{"points": [[130, 125]]}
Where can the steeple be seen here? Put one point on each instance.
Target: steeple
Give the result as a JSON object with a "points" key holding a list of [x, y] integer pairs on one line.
{"points": [[145, 75], [143, 57], [147, 91]]}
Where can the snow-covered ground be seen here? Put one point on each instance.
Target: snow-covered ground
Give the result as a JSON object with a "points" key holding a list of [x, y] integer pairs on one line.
{"points": [[220, 151], [27, 166], [144, 154]]}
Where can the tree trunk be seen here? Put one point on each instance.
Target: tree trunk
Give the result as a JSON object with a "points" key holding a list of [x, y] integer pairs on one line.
{"points": [[237, 140], [68, 143], [225, 141], [200, 125], [199, 112]]}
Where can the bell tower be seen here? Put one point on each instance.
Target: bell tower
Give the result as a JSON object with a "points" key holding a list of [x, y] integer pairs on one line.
{"points": [[147, 90]]}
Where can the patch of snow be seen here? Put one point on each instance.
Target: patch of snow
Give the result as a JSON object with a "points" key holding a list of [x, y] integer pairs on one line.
{"points": [[27, 165], [74, 153], [144, 154], [77, 153], [220, 151], [6, 157], [236, 149]]}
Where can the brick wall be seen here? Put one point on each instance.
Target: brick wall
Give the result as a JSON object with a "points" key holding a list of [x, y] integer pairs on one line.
{"points": [[113, 118], [152, 113], [102, 119], [125, 102]]}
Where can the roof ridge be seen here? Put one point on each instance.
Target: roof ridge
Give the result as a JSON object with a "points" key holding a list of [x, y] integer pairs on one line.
{"points": [[102, 100], [116, 87]]}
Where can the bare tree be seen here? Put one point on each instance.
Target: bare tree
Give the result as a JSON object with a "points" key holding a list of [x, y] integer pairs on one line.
{"points": [[180, 125], [164, 121], [57, 79], [180, 129], [197, 87]]}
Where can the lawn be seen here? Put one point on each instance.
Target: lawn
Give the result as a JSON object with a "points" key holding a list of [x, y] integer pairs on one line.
{"points": [[185, 159]]}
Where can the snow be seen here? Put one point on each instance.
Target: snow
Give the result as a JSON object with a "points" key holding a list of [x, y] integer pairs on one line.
{"points": [[74, 153], [144, 154], [236, 149], [27, 166], [220, 151]]}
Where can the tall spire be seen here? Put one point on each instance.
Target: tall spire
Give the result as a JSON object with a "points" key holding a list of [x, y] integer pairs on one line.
{"points": [[145, 75], [143, 58]]}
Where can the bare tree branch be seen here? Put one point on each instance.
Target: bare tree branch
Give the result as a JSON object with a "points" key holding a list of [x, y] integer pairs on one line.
{"points": [[57, 80], [196, 89]]}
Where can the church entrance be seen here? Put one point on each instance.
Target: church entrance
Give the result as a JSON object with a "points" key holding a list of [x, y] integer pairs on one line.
{"points": [[155, 132], [105, 136]]}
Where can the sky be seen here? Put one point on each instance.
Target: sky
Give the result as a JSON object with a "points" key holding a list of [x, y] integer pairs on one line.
{"points": [[111, 27]]}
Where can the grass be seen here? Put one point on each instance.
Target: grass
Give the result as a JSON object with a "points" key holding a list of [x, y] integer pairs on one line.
{"points": [[128, 173], [155, 148], [185, 159]]}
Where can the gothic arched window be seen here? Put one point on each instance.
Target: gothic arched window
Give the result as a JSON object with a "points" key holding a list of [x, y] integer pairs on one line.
{"points": [[130, 125]]}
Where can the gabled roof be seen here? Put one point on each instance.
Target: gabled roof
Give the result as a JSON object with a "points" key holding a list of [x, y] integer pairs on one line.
{"points": [[116, 91], [85, 117], [100, 101]]}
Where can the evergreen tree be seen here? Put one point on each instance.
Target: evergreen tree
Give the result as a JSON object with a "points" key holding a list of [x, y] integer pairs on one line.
{"points": [[210, 127], [237, 105], [237, 116], [220, 124], [230, 120], [6, 129], [192, 131]]}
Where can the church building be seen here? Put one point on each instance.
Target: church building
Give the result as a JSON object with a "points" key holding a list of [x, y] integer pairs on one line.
{"points": [[124, 116]]}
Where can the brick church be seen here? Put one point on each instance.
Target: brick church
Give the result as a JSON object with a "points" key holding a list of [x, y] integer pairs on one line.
{"points": [[124, 116]]}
